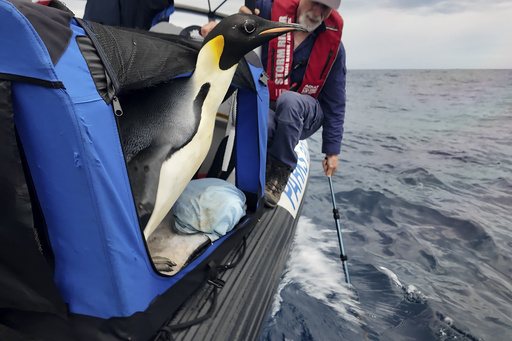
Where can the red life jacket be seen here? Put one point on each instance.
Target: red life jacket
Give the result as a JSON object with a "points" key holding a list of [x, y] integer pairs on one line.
{"points": [[280, 49]]}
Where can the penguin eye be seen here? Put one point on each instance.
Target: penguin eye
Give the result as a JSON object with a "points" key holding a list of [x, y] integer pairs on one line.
{"points": [[249, 26]]}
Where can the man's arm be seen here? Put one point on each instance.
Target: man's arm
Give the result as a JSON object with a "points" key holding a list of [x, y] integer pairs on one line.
{"points": [[332, 100]]}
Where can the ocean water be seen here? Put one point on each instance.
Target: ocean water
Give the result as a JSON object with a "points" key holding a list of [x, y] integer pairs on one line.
{"points": [[424, 189]]}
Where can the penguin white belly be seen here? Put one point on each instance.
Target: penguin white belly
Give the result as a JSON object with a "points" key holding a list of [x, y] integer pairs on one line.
{"points": [[177, 171], [175, 174]]}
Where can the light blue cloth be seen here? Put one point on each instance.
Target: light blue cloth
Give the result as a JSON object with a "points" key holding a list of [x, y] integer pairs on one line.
{"points": [[210, 206]]}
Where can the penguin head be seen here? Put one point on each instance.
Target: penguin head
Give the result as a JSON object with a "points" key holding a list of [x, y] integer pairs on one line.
{"points": [[238, 34]]}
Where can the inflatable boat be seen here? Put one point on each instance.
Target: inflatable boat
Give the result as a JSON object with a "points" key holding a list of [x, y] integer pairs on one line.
{"points": [[75, 263]]}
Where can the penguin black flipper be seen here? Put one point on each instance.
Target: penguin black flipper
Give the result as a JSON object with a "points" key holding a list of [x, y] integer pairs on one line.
{"points": [[197, 106]]}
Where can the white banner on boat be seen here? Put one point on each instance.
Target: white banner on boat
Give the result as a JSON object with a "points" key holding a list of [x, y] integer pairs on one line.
{"points": [[295, 188]]}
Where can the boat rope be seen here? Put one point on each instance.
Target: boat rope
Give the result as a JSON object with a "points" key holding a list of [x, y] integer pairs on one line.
{"points": [[165, 332], [211, 14], [240, 252]]}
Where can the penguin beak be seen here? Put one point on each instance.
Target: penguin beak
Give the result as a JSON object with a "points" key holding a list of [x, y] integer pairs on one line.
{"points": [[282, 29], [258, 31]]}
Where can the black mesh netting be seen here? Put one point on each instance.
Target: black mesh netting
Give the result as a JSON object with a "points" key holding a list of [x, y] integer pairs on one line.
{"points": [[140, 59]]}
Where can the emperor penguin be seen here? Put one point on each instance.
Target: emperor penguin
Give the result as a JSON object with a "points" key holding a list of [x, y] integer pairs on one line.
{"points": [[167, 130]]}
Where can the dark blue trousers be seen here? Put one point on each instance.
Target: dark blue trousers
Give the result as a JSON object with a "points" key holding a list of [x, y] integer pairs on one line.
{"points": [[296, 117]]}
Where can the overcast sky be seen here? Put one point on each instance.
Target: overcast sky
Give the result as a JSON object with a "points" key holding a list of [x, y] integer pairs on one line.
{"points": [[418, 34], [426, 34]]}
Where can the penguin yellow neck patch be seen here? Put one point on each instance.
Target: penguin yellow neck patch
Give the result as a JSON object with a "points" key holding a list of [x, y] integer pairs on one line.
{"points": [[216, 46]]}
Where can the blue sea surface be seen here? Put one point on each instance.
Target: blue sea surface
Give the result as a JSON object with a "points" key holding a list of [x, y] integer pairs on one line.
{"points": [[424, 188]]}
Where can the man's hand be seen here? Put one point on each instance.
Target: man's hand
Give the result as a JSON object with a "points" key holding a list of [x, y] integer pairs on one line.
{"points": [[246, 10], [330, 164], [206, 28]]}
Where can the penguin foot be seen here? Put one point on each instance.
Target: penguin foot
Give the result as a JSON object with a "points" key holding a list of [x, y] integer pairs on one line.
{"points": [[163, 264]]}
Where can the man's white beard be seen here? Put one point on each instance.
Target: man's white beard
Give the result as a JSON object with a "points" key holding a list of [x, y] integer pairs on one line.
{"points": [[304, 22]]}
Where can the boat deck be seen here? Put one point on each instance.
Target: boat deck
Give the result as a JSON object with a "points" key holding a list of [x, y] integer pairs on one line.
{"points": [[243, 303]]}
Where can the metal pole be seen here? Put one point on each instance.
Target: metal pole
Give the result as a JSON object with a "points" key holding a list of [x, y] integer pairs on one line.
{"points": [[343, 255]]}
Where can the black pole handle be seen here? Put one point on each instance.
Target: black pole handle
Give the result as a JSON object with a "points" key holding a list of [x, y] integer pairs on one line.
{"points": [[336, 215]]}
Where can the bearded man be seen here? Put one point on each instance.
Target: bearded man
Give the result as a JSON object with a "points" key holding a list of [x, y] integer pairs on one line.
{"points": [[306, 84]]}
